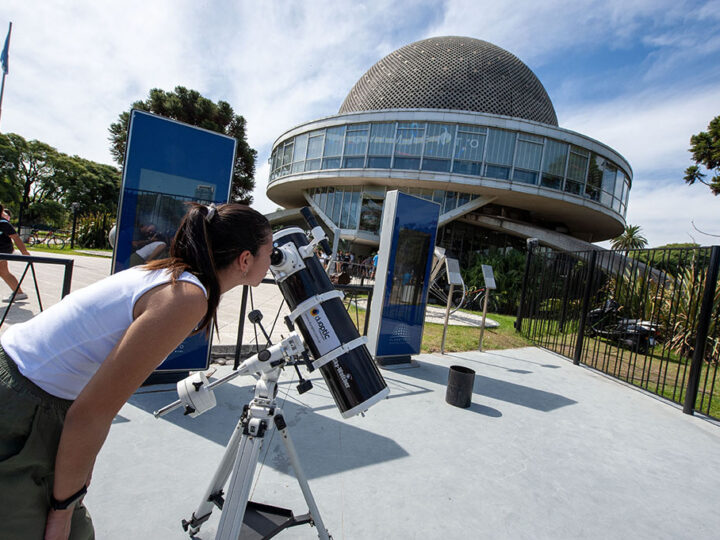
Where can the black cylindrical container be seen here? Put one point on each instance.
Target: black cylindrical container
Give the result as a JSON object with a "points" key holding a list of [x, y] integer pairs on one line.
{"points": [[460, 386], [352, 378]]}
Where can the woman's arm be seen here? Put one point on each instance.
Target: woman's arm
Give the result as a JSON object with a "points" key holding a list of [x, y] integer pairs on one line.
{"points": [[19, 243], [163, 318]]}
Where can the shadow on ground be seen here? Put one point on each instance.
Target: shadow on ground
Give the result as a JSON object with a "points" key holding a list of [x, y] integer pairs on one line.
{"points": [[519, 394], [317, 445]]}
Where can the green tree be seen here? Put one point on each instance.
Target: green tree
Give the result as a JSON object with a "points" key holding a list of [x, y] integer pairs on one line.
{"points": [[94, 186], [705, 149], [629, 239], [192, 108], [42, 183], [29, 167]]}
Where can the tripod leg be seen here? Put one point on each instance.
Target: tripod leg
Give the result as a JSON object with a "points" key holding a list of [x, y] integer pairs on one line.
{"points": [[238, 493], [214, 490], [300, 475]]}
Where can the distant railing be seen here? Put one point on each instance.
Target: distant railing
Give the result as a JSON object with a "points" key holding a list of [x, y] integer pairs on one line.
{"points": [[351, 273], [649, 317], [30, 265]]}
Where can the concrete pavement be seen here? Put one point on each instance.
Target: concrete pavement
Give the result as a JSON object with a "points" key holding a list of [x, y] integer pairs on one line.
{"points": [[547, 450]]}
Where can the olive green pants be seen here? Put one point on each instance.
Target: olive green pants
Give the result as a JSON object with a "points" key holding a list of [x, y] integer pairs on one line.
{"points": [[31, 421]]}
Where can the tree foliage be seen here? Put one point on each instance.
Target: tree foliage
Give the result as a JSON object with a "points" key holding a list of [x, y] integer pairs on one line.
{"points": [[41, 183], [705, 149], [671, 257], [629, 239], [192, 108]]}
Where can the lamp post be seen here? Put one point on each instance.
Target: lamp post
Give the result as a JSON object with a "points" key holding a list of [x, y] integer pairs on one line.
{"points": [[75, 206]]}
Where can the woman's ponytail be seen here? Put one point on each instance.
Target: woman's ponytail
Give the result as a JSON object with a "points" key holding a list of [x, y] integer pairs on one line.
{"points": [[209, 239]]}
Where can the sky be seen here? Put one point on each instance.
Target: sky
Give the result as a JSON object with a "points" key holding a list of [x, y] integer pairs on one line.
{"points": [[641, 76]]}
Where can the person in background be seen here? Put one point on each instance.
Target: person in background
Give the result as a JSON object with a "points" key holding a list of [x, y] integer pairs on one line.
{"points": [[339, 258], [8, 237], [65, 373], [323, 257]]}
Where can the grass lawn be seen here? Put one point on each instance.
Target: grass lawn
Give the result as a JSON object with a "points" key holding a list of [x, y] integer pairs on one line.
{"points": [[462, 338], [39, 249]]}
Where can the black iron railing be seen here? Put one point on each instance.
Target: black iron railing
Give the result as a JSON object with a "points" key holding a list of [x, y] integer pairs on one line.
{"points": [[30, 262], [648, 317]]}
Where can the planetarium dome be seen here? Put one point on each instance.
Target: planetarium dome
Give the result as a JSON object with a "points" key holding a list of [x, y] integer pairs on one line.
{"points": [[452, 73], [466, 124]]}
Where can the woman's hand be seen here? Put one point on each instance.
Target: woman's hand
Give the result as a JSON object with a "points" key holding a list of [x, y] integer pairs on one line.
{"points": [[58, 523]]}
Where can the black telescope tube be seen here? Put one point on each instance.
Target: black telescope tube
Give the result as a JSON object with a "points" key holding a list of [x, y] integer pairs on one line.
{"points": [[308, 215]]}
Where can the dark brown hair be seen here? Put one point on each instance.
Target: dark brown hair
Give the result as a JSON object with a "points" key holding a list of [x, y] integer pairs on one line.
{"points": [[210, 239]]}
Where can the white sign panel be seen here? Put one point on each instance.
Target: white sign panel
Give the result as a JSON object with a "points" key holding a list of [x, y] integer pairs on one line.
{"points": [[453, 271], [488, 276]]}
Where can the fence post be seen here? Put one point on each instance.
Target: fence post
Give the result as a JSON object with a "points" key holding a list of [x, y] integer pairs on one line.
{"points": [[531, 244], [67, 278], [584, 308], [563, 312], [702, 331], [241, 327]]}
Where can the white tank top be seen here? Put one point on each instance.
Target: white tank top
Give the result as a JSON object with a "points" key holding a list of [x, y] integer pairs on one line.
{"points": [[61, 348]]}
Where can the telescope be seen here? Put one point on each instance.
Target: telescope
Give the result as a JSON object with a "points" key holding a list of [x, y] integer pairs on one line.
{"points": [[318, 312], [319, 325]]}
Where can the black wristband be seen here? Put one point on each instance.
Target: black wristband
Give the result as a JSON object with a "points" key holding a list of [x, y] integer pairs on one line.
{"points": [[62, 505]]}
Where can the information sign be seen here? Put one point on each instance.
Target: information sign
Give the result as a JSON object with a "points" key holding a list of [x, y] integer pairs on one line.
{"points": [[488, 276], [454, 277], [167, 164], [407, 239]]}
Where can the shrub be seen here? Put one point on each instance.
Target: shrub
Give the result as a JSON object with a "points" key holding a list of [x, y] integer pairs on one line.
{"points": [[92, 230], [508, 268]]}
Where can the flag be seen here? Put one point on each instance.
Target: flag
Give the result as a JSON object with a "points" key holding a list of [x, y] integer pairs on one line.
{"points": [[5, 52]]}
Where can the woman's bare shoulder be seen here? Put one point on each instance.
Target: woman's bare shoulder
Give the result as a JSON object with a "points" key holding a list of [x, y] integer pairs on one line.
{"points": [[177, 299]]}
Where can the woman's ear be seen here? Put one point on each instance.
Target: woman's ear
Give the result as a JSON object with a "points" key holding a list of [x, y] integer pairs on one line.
{"points": [[243, 261]]}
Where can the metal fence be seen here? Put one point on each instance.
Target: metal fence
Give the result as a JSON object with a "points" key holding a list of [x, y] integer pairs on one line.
{"points": [[30, 262], [350, 273], [648, 317]]}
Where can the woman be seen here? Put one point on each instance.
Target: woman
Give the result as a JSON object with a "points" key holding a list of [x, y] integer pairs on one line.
{"points": [[8, 236], [66, 373]]}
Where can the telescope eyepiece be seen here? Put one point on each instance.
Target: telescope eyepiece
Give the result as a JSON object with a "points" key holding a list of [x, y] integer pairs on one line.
{"points": [[276, 257]]}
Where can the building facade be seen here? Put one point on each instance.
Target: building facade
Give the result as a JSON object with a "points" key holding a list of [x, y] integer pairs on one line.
{"points": [[466, 124]]}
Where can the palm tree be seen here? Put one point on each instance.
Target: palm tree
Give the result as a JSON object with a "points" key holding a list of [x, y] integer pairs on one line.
{"points": [[630, 239]]}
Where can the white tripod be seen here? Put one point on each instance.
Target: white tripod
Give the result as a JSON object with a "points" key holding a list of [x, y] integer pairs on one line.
{"points": [[241, 456]]}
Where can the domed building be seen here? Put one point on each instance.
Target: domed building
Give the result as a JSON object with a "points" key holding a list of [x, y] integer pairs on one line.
{"points": [[464, 123]]}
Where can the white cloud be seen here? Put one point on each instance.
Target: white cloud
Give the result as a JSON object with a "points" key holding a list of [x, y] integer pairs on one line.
{"points": [[650, 129], [666, 213], [75, 67], [533, 30]]}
